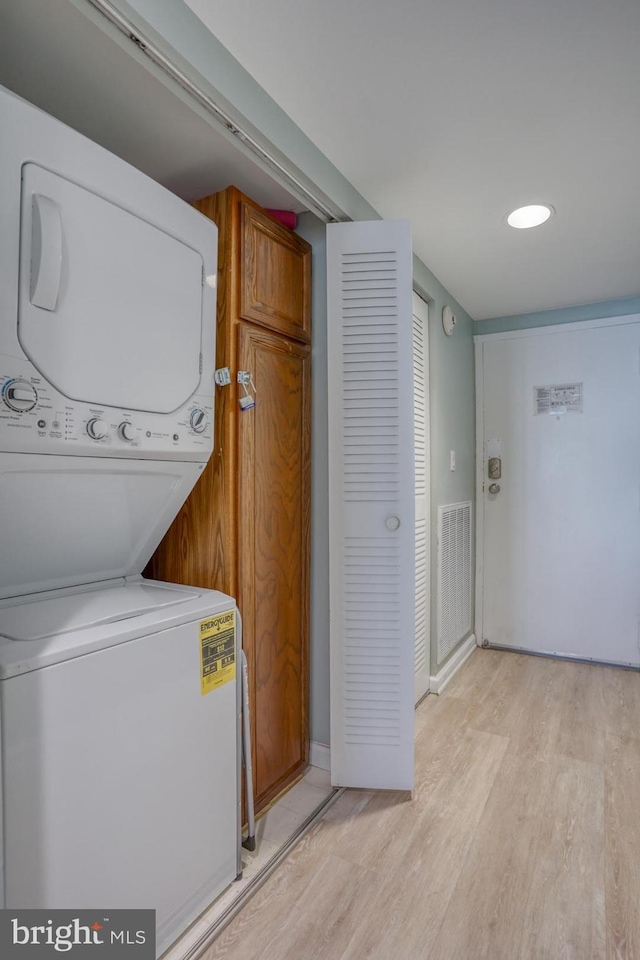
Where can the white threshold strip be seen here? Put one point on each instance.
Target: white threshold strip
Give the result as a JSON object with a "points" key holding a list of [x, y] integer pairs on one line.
{"points": [[225, 918], [570, 657]]}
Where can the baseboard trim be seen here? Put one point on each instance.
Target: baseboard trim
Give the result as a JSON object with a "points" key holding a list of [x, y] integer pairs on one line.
{"points": [[320, 755], [451, 667]]}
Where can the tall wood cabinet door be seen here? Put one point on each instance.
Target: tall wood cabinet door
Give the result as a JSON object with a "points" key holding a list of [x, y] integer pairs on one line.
{"points": [[275, 275], [273, 552]]}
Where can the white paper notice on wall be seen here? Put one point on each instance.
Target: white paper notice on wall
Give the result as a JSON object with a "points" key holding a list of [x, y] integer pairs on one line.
{"points": [[557, 399]]}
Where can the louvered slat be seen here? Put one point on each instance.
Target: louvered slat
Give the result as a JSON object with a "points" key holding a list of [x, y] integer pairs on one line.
{"points": [[372, 612], [422, 506], [419, 406], [365, 360]]}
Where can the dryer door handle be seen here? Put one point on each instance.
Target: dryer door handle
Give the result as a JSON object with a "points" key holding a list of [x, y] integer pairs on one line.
{"points": [[46, 252]]}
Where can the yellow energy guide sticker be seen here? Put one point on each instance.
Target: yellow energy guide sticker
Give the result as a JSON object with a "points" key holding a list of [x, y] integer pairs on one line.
{"points": [[217, 650]]}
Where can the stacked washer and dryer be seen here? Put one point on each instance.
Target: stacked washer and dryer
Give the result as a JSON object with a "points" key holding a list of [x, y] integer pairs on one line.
{"points": [[118, 696]]}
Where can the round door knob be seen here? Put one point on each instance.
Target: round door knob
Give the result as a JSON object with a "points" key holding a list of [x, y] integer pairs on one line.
{"points": [[97, 429], [392, 523], [494, 488], [198, 420], [127, 431], [20, 396]]}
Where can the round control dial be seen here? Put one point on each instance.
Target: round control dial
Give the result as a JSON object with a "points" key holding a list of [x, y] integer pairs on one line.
{"points": [[19, 395], [97, 429], [127, 431], [198, 420]]}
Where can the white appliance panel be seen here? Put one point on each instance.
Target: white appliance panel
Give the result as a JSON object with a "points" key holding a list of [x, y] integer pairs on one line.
{"points": [[120, 782], [110, 306], [53, 424], [72, 520]]}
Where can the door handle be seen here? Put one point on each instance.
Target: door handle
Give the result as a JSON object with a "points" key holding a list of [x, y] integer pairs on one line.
{"points": [[46, 252], [494, 488]]}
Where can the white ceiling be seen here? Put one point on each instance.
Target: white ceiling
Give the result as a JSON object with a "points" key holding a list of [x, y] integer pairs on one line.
{"points": [[449, 113], [452, 112], [54, 56]]}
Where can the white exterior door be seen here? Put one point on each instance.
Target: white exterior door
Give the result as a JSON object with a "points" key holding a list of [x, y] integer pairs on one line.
{"points": [[371, 503], [560, 568]]}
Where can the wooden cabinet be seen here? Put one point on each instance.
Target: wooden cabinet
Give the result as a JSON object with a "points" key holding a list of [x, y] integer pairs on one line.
{"points": [[245, 527]]}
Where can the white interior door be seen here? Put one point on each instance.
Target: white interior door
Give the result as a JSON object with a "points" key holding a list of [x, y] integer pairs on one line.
{"points": [[422, 491], [561, 556], [371, 503]]}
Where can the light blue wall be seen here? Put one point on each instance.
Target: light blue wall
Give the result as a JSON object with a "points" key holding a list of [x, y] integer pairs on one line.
{"points": [[177, 31], [314, 230], [452, 400], [586, 311]]}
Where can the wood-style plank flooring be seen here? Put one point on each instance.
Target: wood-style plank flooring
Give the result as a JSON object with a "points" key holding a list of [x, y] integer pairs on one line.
{"points": [[521, 840]]}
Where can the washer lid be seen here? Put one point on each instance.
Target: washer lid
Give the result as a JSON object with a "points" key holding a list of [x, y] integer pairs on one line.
{"points": [[38, 619], [46, 629], [110, 308]]}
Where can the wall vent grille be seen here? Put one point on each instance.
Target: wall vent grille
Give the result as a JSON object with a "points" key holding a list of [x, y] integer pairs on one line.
{"points": [[454, 576], [422, 588]]}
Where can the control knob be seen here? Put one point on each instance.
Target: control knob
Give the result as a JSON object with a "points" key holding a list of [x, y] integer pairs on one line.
{"points": [[127, 431], [198, 420], [20, 396], [97, 429]]}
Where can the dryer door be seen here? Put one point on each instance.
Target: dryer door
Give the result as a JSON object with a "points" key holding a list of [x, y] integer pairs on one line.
{"points": [[110, 306]]}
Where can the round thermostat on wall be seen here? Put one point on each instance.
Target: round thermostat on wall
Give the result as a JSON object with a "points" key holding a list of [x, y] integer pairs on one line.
{"points": [[449, 321]]}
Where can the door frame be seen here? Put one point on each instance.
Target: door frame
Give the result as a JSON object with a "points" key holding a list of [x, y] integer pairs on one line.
{"points": [[479, 340]]}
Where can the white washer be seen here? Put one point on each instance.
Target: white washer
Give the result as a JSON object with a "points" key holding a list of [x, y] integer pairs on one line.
{"points": [[119, 777], [119, 762]]}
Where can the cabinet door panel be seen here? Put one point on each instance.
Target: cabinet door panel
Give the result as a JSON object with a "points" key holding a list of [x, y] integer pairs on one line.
{"points": [[273, 554], [274, 286]]}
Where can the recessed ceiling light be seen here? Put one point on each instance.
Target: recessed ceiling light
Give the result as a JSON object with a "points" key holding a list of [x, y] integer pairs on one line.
{"points": [[530, 216]]}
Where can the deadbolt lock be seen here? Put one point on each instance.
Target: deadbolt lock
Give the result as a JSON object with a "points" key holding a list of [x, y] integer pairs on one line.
{"points": [[495, 468]]}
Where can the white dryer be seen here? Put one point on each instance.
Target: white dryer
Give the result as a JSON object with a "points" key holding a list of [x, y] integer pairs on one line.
{"points": [[118, 696]]}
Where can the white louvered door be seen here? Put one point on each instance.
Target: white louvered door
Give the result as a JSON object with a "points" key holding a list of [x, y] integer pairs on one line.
{"points": [[422, 466], [371, 503]]}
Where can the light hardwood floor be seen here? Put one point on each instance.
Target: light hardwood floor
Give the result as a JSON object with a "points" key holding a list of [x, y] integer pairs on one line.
{"points": [[521, 840]]}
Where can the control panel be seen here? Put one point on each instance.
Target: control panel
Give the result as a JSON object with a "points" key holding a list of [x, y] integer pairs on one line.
{"points": [[35, 418]]}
